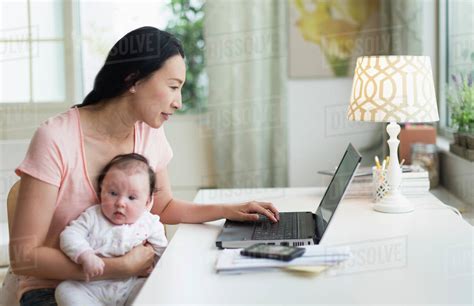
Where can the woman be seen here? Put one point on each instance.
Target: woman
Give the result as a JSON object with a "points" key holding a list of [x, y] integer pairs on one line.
{"points": [[135, 92]]}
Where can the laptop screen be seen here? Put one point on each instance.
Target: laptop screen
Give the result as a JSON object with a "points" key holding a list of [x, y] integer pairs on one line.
{"points": [[336, 189]]}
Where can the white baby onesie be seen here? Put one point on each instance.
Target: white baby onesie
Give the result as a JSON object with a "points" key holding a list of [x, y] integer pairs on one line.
{"points": [[92, 231]]}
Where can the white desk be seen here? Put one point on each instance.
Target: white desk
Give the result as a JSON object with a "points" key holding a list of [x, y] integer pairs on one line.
{"points": [[422, 257]]}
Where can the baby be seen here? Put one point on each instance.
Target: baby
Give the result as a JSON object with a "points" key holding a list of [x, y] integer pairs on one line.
{"points": [[119, 223]]}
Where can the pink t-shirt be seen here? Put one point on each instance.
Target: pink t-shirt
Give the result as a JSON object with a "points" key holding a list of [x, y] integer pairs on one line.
{"points": [[56, 156]]}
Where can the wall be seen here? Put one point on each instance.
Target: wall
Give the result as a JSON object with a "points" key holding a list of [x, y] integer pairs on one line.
{"points": [[319, 131], [191, 167]]}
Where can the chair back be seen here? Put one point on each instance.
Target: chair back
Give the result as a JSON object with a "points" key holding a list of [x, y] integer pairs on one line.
{"points": [[11, 204]]}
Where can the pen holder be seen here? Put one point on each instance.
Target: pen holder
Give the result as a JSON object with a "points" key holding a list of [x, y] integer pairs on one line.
{"points": [[380, 183]]}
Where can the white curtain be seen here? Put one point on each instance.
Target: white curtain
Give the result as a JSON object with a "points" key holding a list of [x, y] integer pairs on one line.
{"points": [[403, 20], [246, 113]]}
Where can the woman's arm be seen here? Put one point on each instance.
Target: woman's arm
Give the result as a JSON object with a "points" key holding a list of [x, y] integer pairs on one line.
{"points": [[29, 256], [173, 211]]}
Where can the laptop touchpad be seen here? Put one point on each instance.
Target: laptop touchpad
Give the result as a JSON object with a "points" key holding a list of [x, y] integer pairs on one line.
{"points": [[238, 230]]}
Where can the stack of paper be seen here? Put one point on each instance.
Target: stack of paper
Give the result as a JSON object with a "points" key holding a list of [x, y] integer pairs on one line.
{"points": [[230, 260], [361, 185], [415, 181]]}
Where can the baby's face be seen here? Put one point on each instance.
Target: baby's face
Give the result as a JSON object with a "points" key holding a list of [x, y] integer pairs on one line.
{"points": [[124, 196]]}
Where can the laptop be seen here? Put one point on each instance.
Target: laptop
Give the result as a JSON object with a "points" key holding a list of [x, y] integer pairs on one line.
{"points": [[295, 228]]}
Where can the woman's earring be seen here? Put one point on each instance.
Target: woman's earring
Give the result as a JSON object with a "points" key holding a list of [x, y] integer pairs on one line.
{"points": [[133, 90]]}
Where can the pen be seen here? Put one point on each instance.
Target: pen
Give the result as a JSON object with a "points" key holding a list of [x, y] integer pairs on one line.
{"points": [[384, 164], [388, 160], [377, 162]]}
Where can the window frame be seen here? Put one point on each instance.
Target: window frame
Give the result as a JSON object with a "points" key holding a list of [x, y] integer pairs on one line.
{"points": [[443, 63], [19, 120], [443, 128]]}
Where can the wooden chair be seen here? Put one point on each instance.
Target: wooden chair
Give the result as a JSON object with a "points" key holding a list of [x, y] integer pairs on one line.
{"points": [[11, 204], [9, 286]]}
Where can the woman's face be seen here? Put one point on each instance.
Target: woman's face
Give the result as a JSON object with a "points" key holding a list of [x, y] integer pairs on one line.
{"points": [[157, 97]]}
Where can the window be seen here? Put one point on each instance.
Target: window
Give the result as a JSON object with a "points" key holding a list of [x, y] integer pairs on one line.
{"points": [[36, 63], [103, 23], [51, 51], [32, 44], [456, 39], [187, 23]]}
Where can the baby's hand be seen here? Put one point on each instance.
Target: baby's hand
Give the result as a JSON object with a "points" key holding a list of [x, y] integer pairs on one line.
{"points": [[92, 265]]}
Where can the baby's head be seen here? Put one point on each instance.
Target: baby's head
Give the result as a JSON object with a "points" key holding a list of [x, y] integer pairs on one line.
{"points": [[126, 187]]}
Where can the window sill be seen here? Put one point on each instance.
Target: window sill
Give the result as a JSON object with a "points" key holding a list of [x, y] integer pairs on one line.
{"points": [[443, 147], [456, 173], [20, 120], [442, 143]]}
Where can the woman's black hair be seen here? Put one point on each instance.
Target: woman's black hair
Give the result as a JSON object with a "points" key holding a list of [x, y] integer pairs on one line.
{"points": [[133, 57], [123, 161]]}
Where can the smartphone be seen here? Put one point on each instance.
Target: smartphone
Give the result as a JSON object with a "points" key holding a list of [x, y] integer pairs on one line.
{"points": [[280, 252]]}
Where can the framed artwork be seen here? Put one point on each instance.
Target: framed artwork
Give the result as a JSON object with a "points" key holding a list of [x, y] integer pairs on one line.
{"points": [[327, 36]]}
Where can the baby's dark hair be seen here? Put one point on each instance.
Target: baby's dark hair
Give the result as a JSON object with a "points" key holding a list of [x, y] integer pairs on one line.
{"points": [[125, 161]]}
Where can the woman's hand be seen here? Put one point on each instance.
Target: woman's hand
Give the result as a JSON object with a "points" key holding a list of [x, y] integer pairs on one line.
{"points": [[250, 211], [140, 260]]}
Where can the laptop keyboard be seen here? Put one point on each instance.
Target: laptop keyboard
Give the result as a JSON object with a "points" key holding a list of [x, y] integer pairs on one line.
{"points": [[286, 228]]}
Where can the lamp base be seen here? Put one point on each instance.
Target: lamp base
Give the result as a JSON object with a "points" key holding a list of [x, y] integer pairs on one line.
{"points": [[394, 202]]}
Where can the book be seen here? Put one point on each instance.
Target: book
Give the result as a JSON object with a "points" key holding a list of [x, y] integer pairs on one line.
{"points": [[415, 180], [361, 172], [408, 171]]}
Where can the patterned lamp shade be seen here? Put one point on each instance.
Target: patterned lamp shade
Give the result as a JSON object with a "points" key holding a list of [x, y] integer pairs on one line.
{"points": [[393, 89]]}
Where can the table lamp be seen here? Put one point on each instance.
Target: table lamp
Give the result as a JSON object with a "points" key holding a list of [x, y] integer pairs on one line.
{"points": [[393, 89]]}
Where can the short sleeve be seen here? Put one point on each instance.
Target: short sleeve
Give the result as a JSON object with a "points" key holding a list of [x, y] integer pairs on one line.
{"points": [[43, 159], [165, 151], [157, 238]]}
